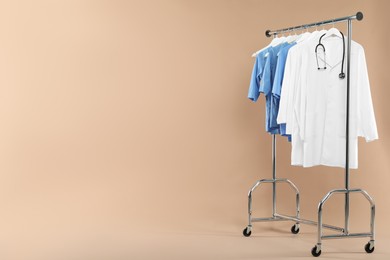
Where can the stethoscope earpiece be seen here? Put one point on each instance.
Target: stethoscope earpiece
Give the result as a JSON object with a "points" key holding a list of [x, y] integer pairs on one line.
{"points": [[342, 75]]}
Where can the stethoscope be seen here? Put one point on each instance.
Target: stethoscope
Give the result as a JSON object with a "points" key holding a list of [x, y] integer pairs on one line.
{"points": [[342, 74]]}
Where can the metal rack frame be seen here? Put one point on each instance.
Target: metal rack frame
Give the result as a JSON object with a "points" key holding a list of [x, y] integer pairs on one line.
{"points": [[316, 251]]}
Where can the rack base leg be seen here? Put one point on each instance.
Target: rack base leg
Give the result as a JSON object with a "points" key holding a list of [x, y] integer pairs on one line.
{"points": [[275, 217], [370, 246]]}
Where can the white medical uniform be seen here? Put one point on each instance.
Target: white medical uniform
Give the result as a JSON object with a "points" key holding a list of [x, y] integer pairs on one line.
{"points": [[288, 95], [314, 107]]}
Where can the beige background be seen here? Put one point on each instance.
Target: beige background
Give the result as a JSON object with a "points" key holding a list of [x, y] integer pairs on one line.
{"points": [[124, 120]]}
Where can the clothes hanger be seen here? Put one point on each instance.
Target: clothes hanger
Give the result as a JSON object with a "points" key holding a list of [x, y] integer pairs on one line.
{"points": [[275, 41], [293, 37], [317, 32], [333, 32], [289, 37], [303, 36], [283, 40]]}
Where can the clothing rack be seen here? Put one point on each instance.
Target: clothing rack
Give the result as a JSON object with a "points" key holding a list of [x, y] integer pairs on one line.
{"points": [[316, 251]]}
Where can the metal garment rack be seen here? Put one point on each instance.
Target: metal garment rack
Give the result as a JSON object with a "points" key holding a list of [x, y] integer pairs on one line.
{"points": [[316, 251]]}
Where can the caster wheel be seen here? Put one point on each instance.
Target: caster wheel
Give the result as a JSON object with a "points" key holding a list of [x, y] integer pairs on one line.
{"points": [[368, 249], [246, 233], [295, 229], [314, 252]]}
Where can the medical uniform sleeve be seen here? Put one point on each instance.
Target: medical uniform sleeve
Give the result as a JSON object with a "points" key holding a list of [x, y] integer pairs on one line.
{"points": [[285, 90], [253, 93], [265, 83], [301, 99], [290, 112], [366, 117]]}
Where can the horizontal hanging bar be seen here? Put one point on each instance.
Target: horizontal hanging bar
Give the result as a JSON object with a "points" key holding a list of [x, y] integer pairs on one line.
{"points": [[358, 16]]}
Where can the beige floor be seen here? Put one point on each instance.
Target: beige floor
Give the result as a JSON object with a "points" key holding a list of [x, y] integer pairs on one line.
{"points": [[267, 242]]}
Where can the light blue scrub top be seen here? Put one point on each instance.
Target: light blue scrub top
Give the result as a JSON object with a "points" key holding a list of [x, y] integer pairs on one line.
{"points": [[266, 84], [257, 73], [277, 87], [262, 80]]}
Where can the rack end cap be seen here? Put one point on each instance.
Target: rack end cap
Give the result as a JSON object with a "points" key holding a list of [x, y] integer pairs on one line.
{"points": [[359, 16], [267, 33]]}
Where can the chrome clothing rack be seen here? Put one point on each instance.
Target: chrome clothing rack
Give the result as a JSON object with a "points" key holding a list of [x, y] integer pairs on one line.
{"points": [[316, 251]]}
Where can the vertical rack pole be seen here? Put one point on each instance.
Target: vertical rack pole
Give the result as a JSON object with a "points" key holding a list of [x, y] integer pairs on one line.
{"points": [[274, 175], [346, 227], [274, 172]]}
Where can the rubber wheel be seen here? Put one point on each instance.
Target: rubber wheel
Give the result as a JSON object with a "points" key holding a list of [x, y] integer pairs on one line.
{"points": [[246, 233], [293, 230], [314, 252], [367, 248]]}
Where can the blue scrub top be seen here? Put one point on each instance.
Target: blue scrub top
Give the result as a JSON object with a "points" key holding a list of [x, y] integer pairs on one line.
{"points": [[267, 78], [277, 87], [266, 87], [257, 73], [262, 82]]}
